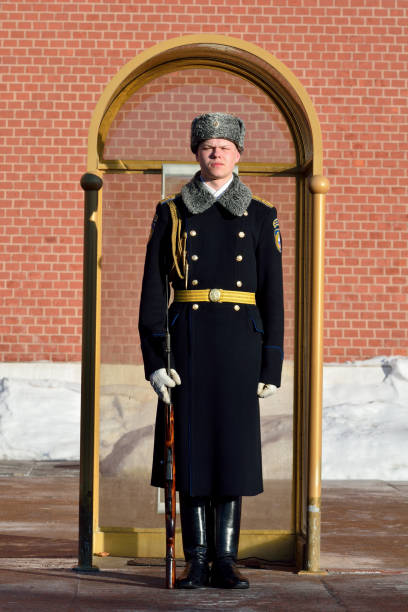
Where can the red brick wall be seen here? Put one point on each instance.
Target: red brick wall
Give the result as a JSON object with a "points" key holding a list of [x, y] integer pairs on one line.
{"points": [[351, 56]]}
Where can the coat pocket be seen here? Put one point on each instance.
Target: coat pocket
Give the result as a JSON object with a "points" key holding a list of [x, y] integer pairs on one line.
{"points": [[175, 311], [255, 320], [174, 318]]}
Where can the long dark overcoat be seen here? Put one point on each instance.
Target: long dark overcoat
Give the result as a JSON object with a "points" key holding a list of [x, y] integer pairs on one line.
{"points": [[220, 350]]}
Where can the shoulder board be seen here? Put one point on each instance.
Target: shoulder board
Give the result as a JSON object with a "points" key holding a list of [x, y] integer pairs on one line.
{"points": [[263, 201], [168, 199]]}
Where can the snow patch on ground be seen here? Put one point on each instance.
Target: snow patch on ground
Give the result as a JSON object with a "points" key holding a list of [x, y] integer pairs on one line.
{"points": [[365, 420], [39, 419]]}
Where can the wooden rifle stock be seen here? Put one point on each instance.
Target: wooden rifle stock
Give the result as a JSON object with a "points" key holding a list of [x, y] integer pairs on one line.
{"points": [[170, 499], [170, 475]]}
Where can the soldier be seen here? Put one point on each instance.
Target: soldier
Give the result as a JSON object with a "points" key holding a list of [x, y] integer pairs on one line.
{"points": [[222, 249]]}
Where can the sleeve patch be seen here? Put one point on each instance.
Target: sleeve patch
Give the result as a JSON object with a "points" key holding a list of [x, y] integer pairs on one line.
{"points": [[277, 234]]}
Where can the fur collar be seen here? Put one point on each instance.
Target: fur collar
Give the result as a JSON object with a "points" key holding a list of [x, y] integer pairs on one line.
{"points": [[197, 198]]}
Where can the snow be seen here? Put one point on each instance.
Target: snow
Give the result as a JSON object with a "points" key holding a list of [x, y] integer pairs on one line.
{"points": [[365, 419], [39, 411]]}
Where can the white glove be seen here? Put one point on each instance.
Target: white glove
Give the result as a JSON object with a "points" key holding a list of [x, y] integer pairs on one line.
{"points": [[160, 382], [264, 390]]}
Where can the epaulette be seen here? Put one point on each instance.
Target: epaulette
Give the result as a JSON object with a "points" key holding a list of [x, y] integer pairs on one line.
{"points": [[168, 199], [263, 201]]}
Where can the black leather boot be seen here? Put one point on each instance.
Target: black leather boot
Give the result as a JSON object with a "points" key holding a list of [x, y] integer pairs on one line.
{"points": [[193, 528], [224, 572], [210, 528]]}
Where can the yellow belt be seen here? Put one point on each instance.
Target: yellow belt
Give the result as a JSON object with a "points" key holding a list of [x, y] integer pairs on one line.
{"points": [[214, 295]]}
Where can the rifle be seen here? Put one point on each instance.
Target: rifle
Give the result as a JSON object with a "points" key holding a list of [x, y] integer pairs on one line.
{"points": [[170, 466]]}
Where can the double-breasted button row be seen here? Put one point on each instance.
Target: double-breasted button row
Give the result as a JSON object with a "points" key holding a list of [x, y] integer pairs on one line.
{"points": [[238, 258]]}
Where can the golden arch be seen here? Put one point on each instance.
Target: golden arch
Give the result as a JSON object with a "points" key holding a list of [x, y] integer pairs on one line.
{"points": [[234, 55], [270, 75]]}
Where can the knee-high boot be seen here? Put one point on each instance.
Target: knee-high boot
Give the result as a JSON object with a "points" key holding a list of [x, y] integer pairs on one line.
{"points": [[195, 546], [224, 572], [210, 528]]}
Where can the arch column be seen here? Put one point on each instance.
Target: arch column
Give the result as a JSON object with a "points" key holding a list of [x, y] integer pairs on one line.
{"points": [[91, 184], [319, 186]]}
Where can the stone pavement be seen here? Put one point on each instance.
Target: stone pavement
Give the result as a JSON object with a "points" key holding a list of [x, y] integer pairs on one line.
{"points": [[364, 550]]}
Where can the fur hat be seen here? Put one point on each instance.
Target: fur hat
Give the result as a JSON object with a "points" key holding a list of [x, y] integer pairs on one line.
{"points": [[217, 125]]}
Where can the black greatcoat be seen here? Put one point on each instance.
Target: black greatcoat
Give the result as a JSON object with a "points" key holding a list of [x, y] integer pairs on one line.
{"points": [[220, 352]]}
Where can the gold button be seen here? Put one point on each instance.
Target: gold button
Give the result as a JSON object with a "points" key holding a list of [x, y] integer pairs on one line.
{"points": [[241, 234], [194, 257], [236, 307], [193, 233], [239, 283], [195, 307], [239, 258], [245, 213], [194, 282]]}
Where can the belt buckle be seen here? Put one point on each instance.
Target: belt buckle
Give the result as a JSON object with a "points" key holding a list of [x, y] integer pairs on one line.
{"points": [[214, 295]]}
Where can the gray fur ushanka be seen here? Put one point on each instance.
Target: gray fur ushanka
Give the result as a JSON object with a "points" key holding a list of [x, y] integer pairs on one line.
{"points": [[217, 125]]}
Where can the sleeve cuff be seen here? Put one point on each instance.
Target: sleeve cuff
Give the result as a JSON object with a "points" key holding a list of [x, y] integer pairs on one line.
{"points": [[271, 370]]}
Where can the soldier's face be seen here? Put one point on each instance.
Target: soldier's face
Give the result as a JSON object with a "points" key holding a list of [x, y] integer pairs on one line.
{"points": [[217, 158]]}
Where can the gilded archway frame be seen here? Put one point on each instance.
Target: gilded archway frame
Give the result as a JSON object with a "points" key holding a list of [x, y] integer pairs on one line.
{"points": [[269, 74]]}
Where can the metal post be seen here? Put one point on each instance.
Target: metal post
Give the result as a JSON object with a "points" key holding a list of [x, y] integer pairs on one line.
{"points": [[319, 186], [90, 183]]}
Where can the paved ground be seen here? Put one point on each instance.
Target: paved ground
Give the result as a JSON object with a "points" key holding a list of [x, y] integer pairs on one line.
{"points": [[364, 549]]}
